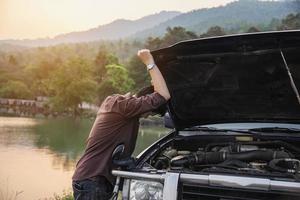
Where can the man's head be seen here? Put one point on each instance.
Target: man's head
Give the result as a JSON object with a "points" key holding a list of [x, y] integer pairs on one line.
{"points": [[148, 90]]}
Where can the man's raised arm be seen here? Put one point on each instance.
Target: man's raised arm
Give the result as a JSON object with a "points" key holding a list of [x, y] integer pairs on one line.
{"points": [[158, 80]]}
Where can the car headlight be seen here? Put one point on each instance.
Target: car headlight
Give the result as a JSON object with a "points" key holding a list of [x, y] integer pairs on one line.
{"points": [[146, 190]]}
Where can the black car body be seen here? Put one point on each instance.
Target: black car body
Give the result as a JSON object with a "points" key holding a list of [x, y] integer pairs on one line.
{"points": [[235, 113]]}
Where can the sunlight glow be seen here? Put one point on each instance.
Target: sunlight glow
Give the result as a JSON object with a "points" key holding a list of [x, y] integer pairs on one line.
{"points": [[21, 19]]}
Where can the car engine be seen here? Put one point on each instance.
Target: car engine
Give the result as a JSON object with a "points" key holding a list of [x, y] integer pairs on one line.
{"points": [[255, 157]]}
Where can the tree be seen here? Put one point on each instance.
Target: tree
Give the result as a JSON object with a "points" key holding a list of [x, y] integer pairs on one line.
{"points": [[138, 72], [214, 31], [38, 76], [15, 89], [177, 34], [72, 84], [274, 24], [292, 21], [153, 43], [103, 59], [117, 80], [12, 60], [253, 29]]}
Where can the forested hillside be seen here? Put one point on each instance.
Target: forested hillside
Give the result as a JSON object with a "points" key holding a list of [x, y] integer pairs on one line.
{"points": [[234, 17], [237, 16], [115, 30]]}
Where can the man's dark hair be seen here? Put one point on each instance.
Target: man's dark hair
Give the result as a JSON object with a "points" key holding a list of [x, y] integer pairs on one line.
{"points": [[161, 110]]}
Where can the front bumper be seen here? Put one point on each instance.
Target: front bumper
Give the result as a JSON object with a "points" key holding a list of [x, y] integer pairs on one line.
{"points": [[171, 181]]}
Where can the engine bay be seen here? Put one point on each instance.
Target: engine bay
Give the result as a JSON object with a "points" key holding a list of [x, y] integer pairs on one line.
{"points": [[235, 155]]}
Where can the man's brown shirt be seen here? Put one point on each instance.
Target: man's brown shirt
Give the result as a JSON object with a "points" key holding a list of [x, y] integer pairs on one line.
{"points": [[117, 123]]}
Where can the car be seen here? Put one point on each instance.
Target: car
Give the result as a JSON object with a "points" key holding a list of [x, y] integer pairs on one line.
{"points": [[234, 115]]}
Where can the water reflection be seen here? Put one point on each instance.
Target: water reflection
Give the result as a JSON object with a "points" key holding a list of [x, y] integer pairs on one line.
{"points": [[38, 156], [64, 138], [10, 129], [147, 135]]}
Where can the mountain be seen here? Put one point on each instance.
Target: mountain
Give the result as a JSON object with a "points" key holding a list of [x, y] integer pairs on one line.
{"points": [[115, 30], [6, 47], [230, 16], [118, 29]]}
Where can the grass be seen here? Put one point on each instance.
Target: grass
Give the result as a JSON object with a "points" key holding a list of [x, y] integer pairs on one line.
{"points": [[66, 195], [69, 196], [7, 194], [10, 195]]}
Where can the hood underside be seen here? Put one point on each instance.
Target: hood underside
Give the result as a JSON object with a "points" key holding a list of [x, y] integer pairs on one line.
{"points": [[238, 78]]}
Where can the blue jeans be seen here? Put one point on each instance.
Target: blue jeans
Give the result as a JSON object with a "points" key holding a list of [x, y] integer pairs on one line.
{"points": [[99, 189]]}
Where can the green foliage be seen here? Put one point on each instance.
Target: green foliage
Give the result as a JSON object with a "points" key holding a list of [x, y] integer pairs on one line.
{"points": [[253, 29], [172, 36], [138, 72], [117, 80], [103, 59], [72, 84], [274, 24], [105, 89], [292, 21], [214, 31], [153, 43], [64, 196], [37, 76], [230, 16], [12, 60], [177, 34], [4, 77], [15, 89]]}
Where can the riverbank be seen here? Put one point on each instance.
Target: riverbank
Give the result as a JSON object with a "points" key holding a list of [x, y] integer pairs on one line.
{"points": [[41, 107], [150, 121]]}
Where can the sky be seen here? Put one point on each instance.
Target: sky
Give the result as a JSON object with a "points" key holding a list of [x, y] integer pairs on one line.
{"points": [[30, 19]]}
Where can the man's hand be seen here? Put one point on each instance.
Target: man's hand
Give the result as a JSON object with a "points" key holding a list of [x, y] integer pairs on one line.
{"points": [[145, 56]]}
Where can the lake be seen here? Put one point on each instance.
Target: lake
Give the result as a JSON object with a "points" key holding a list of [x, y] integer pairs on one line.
{"points": [[38, 156]]}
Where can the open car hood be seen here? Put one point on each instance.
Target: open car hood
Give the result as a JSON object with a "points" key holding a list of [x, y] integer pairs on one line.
{"points": [[236, 78]]}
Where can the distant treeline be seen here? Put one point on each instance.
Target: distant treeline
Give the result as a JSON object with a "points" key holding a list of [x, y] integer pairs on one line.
{"points": [[87, 72]]}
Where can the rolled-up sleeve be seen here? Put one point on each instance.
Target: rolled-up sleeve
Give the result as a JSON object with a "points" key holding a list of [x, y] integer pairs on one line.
{"points": [[135, 106]]}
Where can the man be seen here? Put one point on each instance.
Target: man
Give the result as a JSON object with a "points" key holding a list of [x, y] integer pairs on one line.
{"points": [[117, 123]]}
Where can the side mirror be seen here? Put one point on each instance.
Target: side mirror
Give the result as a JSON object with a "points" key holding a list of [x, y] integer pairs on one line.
{"points": [[168, 122], [119, 160], [118, 152]]}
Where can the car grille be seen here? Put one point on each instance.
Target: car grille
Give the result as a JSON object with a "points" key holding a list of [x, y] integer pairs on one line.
{"points": [[192, 192]]}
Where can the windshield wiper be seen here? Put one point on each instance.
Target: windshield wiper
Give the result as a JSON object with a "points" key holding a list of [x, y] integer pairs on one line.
{"points": [[292, 82], [275, 130], [251, 131], [213, 129], [200, 128]]}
